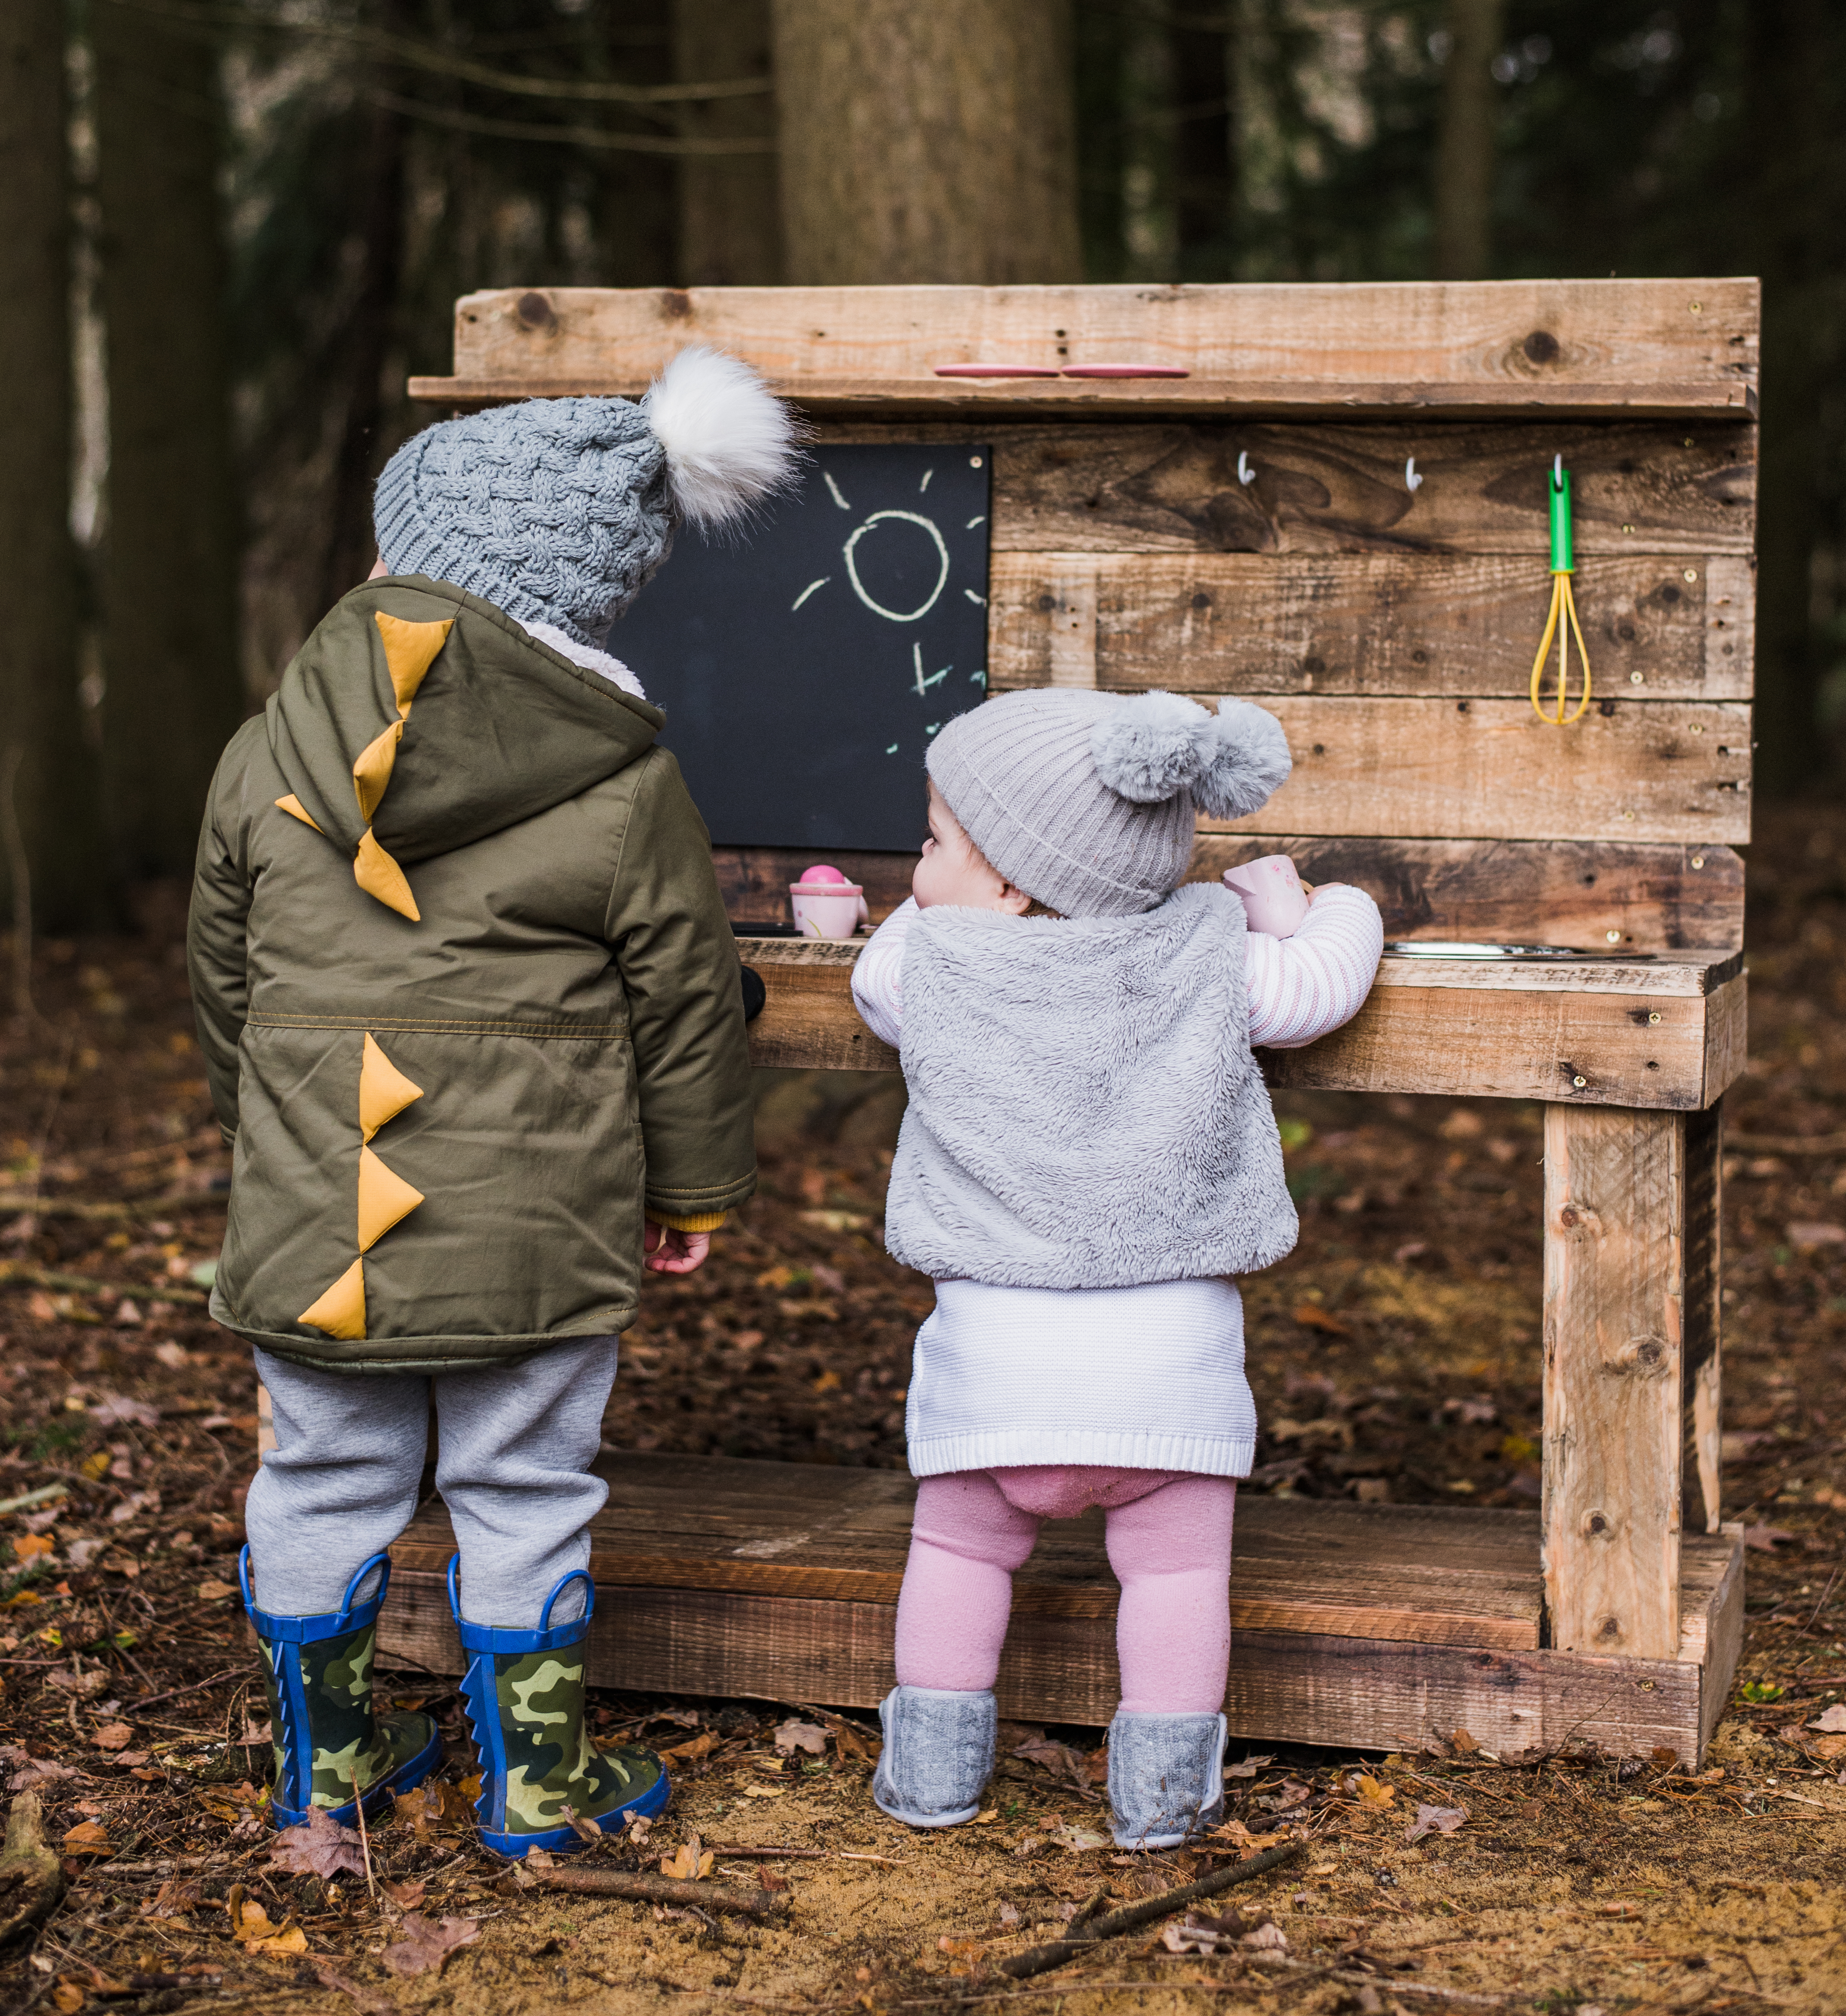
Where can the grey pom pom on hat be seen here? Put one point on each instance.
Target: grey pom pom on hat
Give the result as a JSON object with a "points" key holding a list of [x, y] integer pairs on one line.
{"points": [[1086, 800], [559, 511]]}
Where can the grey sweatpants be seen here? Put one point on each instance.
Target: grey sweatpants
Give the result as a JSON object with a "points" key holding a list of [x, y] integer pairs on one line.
{"points": [[514, 1447]]}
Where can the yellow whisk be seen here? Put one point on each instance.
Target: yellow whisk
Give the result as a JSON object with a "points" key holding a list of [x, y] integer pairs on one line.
{"points": [[1562, 622]]}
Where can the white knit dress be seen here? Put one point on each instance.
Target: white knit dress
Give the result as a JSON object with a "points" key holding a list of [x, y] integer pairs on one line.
{"points": [[1149, 1377]]}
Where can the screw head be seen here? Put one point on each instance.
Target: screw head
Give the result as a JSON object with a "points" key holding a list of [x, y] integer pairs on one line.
{"points": [[1692, 573], [1614, 938], [1654, 1014], [1637, 678], [1580, 1082], [1698, 861]]}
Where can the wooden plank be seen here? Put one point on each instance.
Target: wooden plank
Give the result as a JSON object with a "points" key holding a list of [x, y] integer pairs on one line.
{"points": [[1491, 769], [1302, 1687], [1724, 1639], [1460, 1028], [1654, 898], [1615, 1337], [1368, 624], [1513, 343], [1596, 1049], [1636, 490], [1701, 1365]]}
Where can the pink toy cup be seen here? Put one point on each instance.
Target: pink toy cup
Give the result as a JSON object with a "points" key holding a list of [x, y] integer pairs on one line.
{"points": [[1274, 900], [826, 905]]}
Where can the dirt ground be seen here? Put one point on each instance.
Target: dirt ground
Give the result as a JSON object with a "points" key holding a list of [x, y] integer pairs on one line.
{"points": [[1394, 1356]]}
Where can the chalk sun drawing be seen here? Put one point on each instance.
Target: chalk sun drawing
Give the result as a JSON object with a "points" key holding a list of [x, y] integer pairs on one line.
{"points": [[807, 591], [834, 488], [858, 587]]}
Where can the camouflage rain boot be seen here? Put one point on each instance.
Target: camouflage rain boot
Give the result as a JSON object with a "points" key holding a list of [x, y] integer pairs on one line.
{"points": [[329, 1744], [524, 1694]]}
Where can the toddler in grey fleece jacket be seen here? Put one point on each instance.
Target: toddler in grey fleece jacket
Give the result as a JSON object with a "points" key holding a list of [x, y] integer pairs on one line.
{"points": [[1088, 1155]]}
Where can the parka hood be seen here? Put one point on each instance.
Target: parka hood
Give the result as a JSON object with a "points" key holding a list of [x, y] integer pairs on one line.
{"points": [[490, 726]]}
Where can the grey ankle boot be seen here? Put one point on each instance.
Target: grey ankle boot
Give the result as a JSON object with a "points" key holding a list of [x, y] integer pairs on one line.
{"points": [[938, 1755], [1166, 1777]]}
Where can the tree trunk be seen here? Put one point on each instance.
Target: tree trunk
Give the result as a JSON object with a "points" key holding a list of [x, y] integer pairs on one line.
{"points": [[48, 804], [371, 334], [924, 144], [637, 242], [172, 691], [1465, 148], [1786, 136], [730, 214]]}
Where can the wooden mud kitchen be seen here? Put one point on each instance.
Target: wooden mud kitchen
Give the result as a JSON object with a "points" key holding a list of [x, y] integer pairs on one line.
{"points": [[1335, 500]]}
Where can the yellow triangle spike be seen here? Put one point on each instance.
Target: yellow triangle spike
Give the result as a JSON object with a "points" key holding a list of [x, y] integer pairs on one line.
{"points": [[383, 1199], [373, 767], [384, 1091], [380, 877], [295, 809], [410, 649], [341, 1311]]}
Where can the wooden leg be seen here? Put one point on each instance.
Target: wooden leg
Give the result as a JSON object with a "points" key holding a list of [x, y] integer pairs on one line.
{"points": [[1702, 1372], [1630, 1333]]}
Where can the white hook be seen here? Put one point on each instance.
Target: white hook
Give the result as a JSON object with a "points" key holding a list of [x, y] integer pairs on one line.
{"points": [[1557, 470], [1245, 472], [1413, 482]]}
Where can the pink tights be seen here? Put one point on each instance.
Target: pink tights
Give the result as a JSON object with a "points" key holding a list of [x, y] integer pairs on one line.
{"points": [[1169, 1544]]}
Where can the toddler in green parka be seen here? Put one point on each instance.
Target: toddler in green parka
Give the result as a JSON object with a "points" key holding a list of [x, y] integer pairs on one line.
{"points": [[472, 1015]]}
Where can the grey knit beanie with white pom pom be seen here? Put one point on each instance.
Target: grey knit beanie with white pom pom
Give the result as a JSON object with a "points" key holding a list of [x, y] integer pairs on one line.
{"points": [[558, 511], [1086, 800]]}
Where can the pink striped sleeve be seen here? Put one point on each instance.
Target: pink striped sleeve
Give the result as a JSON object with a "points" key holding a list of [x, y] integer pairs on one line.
{"points": [[1302, 987], [877, 973]]}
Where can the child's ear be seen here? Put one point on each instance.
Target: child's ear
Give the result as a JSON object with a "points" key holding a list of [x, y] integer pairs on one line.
{"points": [[1015, 901]]}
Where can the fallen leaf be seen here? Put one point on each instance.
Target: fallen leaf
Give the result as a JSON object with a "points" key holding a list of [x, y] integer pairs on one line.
{"points": [[986, 1816], [1806, 1233], [1765, 1539], [319, 1846], [692, 1861], [29, 1771], [251, 1927], [112, 1736], [113, 1407], [1464, 1744], [1079, 1841], [966, 1951], [1269, 1939], [68, 1998], [368, 2000], [1311, 1316], [764, 1792], [175, 1898], [1831, 1722], [1372, 1795], [792, 1735], [290, 1939], [1827, 1748], [82, 1685], [1435, 1819], [1664, 1759], [1756, 1692], [1236, 1831], [425, 1944], [1249, 1768], [836, 1220], [88, 1839], [215, 1592], [28, 1547], [580, 1827], [701, 1745]]}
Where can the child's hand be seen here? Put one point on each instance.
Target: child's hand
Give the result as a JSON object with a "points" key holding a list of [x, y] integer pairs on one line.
{"points": [[670, 1252]]}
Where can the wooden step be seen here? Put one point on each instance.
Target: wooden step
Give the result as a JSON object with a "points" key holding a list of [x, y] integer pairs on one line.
{"points": [[1352, 1625]]}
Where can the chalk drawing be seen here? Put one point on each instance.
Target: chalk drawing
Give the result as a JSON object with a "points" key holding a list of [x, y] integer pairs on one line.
{"points": [[835, 488], [858, 587], [807, 591]]}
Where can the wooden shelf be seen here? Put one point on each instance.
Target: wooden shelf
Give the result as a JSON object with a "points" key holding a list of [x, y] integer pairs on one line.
{"points": [[1667, 1033], [976, 400], [1352, 1624]]}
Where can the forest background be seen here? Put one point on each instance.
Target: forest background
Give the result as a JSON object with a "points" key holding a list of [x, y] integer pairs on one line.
{"points": [[229, 229]]}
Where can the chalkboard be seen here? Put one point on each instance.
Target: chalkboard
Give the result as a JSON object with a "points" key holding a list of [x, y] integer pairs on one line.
{"points": [[804, 667]]}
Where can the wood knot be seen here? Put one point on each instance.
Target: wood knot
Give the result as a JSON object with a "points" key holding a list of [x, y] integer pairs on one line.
{"points": [[676, 304], [1595, 1523], [535, 311], [1541, 347], [1608, 1629]]}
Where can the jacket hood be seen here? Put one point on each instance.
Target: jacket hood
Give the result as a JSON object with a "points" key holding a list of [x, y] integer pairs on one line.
{"points": [[453, 732]]}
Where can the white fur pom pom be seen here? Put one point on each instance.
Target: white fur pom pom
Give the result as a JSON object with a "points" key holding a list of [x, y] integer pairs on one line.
{"points": [[1151, 748], [729, 444], [1248, 761]]}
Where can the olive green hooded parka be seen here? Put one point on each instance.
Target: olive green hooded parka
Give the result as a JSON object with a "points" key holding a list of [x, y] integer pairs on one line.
{"points": [[468, 1001]]}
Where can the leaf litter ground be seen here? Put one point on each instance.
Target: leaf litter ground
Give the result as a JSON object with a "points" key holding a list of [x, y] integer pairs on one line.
{"points": [[1395, 1357]]}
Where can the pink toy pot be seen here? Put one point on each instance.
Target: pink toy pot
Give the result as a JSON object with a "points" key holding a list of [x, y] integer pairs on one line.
{"points": [[826, 905], [1274, 900]]}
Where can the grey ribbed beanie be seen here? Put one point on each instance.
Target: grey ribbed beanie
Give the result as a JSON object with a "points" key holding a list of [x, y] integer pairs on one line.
{"points": [[1086, 800], [559, 510]]}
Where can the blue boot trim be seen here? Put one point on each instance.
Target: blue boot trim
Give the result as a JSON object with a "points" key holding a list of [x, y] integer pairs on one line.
{"points": [[480, 1692]]}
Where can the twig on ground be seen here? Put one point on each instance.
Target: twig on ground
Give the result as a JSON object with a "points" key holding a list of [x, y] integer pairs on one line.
{"points": [[1060, 1952], [197, 1687], [738, 1853], [645, 1889], [20, 1274]]}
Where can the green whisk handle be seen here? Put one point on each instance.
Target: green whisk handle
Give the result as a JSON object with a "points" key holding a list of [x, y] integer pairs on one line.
{"points": [[1563, 553]]}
